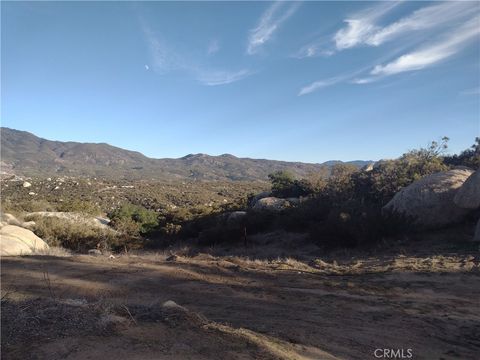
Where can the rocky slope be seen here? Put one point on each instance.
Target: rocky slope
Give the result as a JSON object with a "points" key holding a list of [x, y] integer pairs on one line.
{"points": [[23, 153]]}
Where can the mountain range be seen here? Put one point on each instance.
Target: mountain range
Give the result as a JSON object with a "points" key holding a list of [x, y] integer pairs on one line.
{"points": [[23, 153]]}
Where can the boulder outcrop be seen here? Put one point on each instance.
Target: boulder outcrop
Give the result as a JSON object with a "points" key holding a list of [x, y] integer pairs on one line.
{"points": [[468, 196], [271, 204], [15, 240], [429, 201]]}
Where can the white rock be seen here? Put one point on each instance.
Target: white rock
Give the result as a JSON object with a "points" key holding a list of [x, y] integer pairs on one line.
{"points": [[271, 204], [15, 240], [429, 201], [28, 225], [26, 184], [260, 196], [173, 306], [236, 217], [9, 219], [368, 167], [468, 196]]}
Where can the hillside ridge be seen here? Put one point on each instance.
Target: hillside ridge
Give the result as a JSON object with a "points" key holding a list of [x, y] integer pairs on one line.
{"points": [[24, 153]]}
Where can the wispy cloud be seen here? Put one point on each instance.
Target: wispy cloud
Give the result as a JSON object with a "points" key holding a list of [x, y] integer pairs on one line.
{"points": [[362, 81], [425, 18], [361, 26], [269, 23], [363, 30], [213, 47], [320, 84], [324, 83], [352, 77], [432, 54], [166, 59], [314, 49], [220, 77]]}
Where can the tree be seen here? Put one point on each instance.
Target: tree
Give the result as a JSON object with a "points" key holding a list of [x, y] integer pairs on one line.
{"points": [[340, 186], [281, 181], [318, 180], [469, 157], [389, 176], [133, 219], [285, 185]]}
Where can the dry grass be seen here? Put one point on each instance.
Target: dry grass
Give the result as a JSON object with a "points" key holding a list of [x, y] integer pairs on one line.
{"points": [[53, 251], [285, 307], [279, 349], [58, 232]]}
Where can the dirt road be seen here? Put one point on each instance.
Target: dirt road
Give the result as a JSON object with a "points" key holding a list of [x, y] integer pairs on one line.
{"points": [[85, 307]]}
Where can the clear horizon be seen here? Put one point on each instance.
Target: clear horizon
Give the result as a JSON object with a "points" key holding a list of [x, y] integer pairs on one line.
{"points": [[307, 82]]}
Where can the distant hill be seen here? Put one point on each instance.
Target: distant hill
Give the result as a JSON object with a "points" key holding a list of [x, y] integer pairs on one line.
{"points": [[26, 154]]}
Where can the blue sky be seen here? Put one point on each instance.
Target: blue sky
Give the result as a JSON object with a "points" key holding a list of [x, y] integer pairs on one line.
{"points": [[307, 81]]}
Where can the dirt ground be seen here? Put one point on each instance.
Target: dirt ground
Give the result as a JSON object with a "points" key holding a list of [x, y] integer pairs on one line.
{"points": [[339, 306]]}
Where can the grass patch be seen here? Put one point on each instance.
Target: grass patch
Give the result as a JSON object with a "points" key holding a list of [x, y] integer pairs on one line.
{"points": [[76, 236]]}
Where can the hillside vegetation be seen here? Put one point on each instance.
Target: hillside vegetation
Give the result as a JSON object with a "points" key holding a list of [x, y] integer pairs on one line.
{"points": [[340, 209], [26, 154]]}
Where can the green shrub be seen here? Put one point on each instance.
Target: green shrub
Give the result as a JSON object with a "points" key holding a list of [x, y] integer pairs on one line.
{"points": [[469, 157], [284, 185], [133, 219], [345, 209], [340, 186], [388, 177]]}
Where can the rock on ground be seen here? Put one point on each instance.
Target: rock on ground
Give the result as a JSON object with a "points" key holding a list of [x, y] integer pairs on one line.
{"points": [[468, 196], [172, 305], [429, 201], [97, 222], [271, 204], [9, 219], [262, 195], [15, 240], [295, 200], [236, 217]]}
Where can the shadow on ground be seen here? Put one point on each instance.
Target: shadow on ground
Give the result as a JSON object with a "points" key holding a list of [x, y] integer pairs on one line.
{"points": [[243, 308]]}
